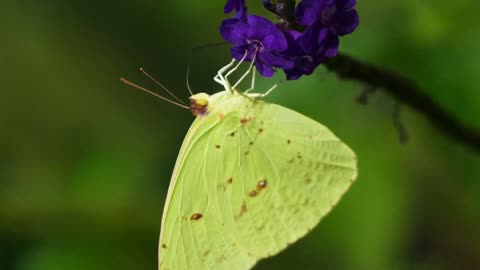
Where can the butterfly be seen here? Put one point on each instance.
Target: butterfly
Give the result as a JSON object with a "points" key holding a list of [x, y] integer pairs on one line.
{"points": [[250, 179]]}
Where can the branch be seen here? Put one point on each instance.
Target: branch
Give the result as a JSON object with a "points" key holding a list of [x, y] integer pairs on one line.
{"points": [[402, 89], [406, 91]]}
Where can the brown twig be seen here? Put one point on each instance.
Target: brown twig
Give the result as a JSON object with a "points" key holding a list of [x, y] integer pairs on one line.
{"points": [[405, 91]]}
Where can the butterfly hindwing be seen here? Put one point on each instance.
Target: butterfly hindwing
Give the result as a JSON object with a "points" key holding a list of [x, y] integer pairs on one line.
{"points": [[251, 178]]}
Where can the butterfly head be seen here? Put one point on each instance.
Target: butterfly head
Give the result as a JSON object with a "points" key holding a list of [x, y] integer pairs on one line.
{"points": [[199, 104]]}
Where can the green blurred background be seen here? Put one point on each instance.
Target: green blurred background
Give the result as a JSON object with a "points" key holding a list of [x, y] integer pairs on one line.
{"points": [[85, 161]]}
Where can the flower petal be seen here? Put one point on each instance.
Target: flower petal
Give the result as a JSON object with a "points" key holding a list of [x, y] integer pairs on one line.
{"points": [[303, 66], [275, 60], [345, 22], [234, 31], [238, 52], [305, 14], [344, 5], [242, 14], [308, 12], [233, 5], [313, 38], [275, 41], [260, 27], [264, 69], [331, 46], [293, 42]]}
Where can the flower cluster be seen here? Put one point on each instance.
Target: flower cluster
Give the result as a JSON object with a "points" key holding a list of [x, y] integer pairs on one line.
{"points": [[276, 46]]}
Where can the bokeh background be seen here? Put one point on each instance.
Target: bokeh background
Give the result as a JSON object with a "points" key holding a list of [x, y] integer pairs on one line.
{"points": [[85, 161]]}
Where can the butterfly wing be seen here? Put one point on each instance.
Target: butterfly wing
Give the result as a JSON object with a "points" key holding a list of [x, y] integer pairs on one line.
{"points": [[251, 178]]}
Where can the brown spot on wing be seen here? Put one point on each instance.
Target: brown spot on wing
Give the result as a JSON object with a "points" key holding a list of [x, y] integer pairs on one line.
{"points": [[244, 121], [232, 134], [289, 141], [262, 183], [243, 210], [308, 181], [164, 246], [221, 115], [260, 130], [206, 253], [229, 182], [196, 216], [217, 146]]}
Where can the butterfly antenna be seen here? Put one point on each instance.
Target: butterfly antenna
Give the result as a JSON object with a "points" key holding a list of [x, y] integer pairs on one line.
{"points": [[188, 83], [125, 81], [161, 85]]}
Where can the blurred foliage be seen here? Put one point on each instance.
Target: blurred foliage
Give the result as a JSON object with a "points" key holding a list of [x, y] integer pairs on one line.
{"points": [[86, 161]]}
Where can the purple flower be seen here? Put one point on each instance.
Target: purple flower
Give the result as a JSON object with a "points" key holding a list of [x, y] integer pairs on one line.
{"points": [[325, 21], [339, 16], [273, 46], [304, 64], [309, 49], [254, 35], [236, 5]]}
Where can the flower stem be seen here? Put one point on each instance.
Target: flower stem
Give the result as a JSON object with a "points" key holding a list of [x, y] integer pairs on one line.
{"points": [[405, 91]]}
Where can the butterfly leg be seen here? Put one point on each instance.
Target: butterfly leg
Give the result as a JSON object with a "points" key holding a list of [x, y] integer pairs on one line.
{"points": [[258, 95], [252, 86], [269, 90], [227, 83], [250, 68], [219, 77]]}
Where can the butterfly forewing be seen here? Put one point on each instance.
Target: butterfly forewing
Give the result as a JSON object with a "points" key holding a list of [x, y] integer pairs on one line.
{"points": [[251, 178]]}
